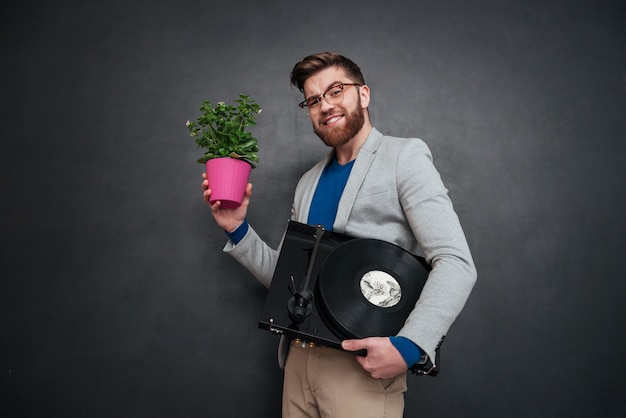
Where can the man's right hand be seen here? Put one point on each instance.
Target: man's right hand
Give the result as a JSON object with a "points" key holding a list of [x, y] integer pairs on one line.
{"points": [[228, 219]]}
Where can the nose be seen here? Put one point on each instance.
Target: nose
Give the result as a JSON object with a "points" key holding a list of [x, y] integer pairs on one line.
{"points": [[325, 106]]}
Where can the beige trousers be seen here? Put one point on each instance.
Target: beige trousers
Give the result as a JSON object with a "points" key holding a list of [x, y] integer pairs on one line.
{"points": [[322, 382]]}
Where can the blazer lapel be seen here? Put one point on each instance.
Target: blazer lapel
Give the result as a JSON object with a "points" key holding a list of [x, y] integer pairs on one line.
{"points": [[357, 175]]}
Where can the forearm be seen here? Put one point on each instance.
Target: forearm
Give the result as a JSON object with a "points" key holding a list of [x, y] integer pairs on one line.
{"points": [[255, 255]]}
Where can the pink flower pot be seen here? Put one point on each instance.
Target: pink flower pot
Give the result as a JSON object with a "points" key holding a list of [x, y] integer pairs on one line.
{"points": [[228, 178]]}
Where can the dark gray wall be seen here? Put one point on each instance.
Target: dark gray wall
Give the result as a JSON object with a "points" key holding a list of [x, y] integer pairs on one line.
{"points": [[116, 299]]}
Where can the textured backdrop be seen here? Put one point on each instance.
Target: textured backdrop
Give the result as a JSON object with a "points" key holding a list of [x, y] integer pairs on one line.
{"points": [[115, 297]]}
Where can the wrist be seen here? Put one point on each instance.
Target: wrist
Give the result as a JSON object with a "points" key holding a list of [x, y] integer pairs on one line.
{"points": [[237, 234], [229, 229], [409, 351]]}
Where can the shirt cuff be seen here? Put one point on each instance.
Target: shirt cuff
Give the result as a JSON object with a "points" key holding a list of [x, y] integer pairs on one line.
{"points": [[409, 351], [238, 234]]}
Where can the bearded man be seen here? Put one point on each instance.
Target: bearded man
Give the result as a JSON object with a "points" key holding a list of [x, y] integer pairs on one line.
{"points": [[369, 186]]}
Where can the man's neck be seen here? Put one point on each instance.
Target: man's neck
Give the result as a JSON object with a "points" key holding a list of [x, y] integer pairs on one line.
{"points": [[350, 149]]}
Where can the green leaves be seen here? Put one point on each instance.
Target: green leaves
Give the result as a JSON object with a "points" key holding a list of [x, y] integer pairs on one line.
{"points": [[220, 129]]}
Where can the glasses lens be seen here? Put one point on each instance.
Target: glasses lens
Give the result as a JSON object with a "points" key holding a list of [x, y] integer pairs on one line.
{"points": [[313, 101], [333, 96]]}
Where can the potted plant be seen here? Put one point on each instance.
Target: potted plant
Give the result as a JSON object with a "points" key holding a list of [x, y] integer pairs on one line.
{"points": [[230, 151]]}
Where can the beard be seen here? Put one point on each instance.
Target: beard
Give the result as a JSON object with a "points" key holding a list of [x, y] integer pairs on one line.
{"points": [[337, 137]]}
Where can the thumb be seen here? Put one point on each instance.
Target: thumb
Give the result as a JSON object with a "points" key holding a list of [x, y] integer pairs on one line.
{"points": [[353, 345]]}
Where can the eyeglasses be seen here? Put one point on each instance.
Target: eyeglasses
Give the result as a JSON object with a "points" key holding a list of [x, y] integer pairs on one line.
{"points": [[333, 95]]}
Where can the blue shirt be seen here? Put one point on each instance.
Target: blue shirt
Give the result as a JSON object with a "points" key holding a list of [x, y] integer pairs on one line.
{"points": [[329, 190]]}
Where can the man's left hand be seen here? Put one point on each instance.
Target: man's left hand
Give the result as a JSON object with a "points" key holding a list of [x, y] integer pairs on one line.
{"points": [[383, 360]]}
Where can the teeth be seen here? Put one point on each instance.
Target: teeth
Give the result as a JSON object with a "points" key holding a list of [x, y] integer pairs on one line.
{"points": [[332, 120]]}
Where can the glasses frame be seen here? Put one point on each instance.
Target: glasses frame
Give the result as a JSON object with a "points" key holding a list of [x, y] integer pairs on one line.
{"points": [[318, 99]]}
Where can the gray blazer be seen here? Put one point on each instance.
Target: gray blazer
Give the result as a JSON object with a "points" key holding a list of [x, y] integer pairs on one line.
{"points": [[394, 193]]}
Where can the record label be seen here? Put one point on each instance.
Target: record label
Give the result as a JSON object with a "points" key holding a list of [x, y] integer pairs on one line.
{"points": [[380, 289]]}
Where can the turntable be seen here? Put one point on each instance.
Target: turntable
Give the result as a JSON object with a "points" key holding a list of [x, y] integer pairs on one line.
{"points": [[328, 287]]}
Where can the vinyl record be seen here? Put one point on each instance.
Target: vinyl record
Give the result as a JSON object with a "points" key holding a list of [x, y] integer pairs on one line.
{"points": [[368, 287]]}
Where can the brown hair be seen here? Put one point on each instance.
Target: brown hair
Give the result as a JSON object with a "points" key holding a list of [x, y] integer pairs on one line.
{"points": [[317, 62]]}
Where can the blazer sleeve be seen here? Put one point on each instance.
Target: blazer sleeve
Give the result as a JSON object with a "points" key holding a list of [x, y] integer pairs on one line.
{"points": [[256, 255], [435, 225]]}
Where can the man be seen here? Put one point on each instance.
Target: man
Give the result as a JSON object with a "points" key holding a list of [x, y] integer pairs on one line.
{"points": [[370, 186]]}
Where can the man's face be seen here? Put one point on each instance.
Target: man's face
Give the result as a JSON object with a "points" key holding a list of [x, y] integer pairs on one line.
{"points": [[335, 124]]}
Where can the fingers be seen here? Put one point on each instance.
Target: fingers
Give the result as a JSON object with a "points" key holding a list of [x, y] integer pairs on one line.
{"points": [[246, 196], [206, 194], [354, 345], [215, 206], [205, 182]]}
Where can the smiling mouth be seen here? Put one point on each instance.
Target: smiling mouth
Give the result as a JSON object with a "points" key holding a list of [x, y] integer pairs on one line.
{"points": [[332, 120]]}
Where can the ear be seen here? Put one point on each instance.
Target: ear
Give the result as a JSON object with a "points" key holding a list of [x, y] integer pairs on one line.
{"points": [[364, 94]]}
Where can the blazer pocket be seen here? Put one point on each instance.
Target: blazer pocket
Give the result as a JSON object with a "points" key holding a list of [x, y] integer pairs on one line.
{"points": [[372, 193], [367, 206]]}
